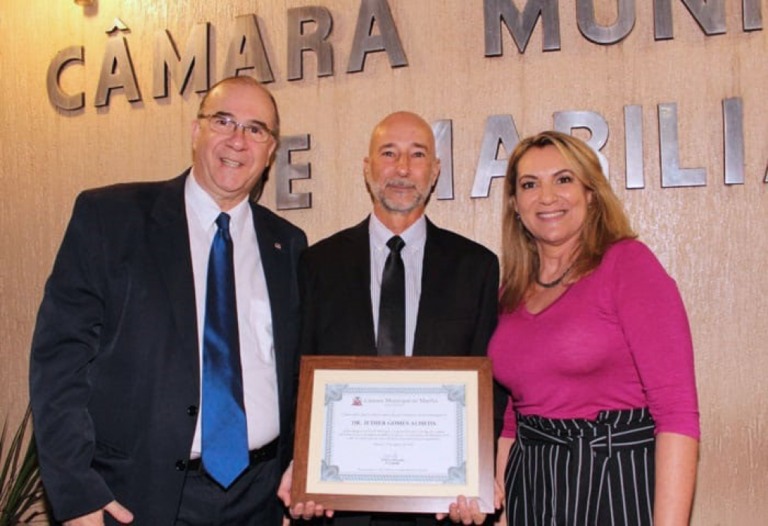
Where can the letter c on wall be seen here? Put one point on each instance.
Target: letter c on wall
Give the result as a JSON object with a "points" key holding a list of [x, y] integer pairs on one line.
{"points": [[56, 95]]}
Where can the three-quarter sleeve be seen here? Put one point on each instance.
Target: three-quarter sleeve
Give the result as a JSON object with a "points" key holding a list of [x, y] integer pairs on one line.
{"points": [[655, 325]]}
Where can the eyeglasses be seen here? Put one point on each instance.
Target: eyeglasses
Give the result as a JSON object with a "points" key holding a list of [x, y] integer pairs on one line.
{"points": [[255, 131]]}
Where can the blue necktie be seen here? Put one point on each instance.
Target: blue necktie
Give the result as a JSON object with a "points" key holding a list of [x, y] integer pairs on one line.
{"points": [[225, 435], [391, 333]]}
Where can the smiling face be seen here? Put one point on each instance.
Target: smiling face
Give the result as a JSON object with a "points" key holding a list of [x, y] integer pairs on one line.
{"points": [[550, 198], [228, 166], [401, 169]]}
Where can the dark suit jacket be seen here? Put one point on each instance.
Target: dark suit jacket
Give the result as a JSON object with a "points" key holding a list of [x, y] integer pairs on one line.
{"points": [[457, 309], [114, 373]]}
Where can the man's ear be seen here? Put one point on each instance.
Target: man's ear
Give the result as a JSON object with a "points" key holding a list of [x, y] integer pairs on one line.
{"points": [[195, 129], [272, 154], [435, 172]]}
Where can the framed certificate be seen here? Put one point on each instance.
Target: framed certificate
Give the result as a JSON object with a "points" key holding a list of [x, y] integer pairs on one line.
{"points": [[394, 434]]}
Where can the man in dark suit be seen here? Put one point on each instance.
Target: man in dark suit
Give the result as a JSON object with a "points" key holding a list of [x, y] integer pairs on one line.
{"points": [[450, 282], [121, 350]]}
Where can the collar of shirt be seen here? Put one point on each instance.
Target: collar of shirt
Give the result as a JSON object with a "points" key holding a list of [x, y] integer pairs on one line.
{"points": [[415, 236], [206, 210]]}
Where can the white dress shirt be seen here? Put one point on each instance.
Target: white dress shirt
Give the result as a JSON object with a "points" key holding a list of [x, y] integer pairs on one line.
{"points": [[415, 238], [254, 316]]}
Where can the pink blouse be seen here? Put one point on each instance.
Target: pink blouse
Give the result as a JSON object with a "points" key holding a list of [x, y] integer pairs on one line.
{"points": [[616, 339]]}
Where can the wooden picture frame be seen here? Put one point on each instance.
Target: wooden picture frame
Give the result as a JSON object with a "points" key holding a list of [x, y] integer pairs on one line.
{"points": [[370, 430]]}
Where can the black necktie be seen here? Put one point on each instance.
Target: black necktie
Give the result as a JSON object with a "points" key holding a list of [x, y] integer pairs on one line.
{"points": [[224, 430], [391, 335]]}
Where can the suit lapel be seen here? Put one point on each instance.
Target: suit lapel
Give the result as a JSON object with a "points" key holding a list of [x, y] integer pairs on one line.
{"points": [[169, 240], [358, 262], [275, 259], [435, 268], [278, 266]]}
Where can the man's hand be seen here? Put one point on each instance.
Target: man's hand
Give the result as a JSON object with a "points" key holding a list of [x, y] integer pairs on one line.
{"points": [[464, 511], [96, 518], [300, 510], [286, 483]]}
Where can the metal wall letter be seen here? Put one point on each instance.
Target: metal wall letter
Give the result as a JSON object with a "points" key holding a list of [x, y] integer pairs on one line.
{"points": [[246, 50], [709, 14], [193, 66], [117, 72], [671, 173], [733, 135], [285, 172], [443, 130], [566, 121], [585, 14], [520, 26], [298, 41], [500, 130], [56, 95], [752, 15], [633, 146], [375, 11]]}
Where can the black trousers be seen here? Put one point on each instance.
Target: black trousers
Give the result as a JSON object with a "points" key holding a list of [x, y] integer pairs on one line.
{"points": [[577, 472], [250, 501]]}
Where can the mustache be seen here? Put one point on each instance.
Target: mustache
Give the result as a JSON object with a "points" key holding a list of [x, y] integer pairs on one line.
{"points": [[399, 184]]}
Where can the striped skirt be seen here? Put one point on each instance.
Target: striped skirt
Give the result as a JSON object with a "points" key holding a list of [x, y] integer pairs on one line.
{"points": [[580, 472]]}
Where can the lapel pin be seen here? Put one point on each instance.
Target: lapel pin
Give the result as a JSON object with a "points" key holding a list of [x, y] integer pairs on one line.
{"points": [[278, 246]]}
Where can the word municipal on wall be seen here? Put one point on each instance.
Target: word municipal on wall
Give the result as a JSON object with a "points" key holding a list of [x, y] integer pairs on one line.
{"points": [[501, 133], [309, 29]]}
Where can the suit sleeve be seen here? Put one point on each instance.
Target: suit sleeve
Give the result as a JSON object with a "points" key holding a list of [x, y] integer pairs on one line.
{"points": [[488, 308], [486, 325], [306, 345], [65, 342]]}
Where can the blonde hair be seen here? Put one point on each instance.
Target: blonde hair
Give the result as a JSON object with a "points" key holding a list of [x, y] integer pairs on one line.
{"points": [[605, 222]]}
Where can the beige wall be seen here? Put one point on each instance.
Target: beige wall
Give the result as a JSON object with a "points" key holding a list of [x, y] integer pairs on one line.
{"points": [[712, 239]]}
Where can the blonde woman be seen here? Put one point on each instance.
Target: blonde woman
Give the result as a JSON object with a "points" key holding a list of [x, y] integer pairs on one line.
{"points": [[594, 347]]}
